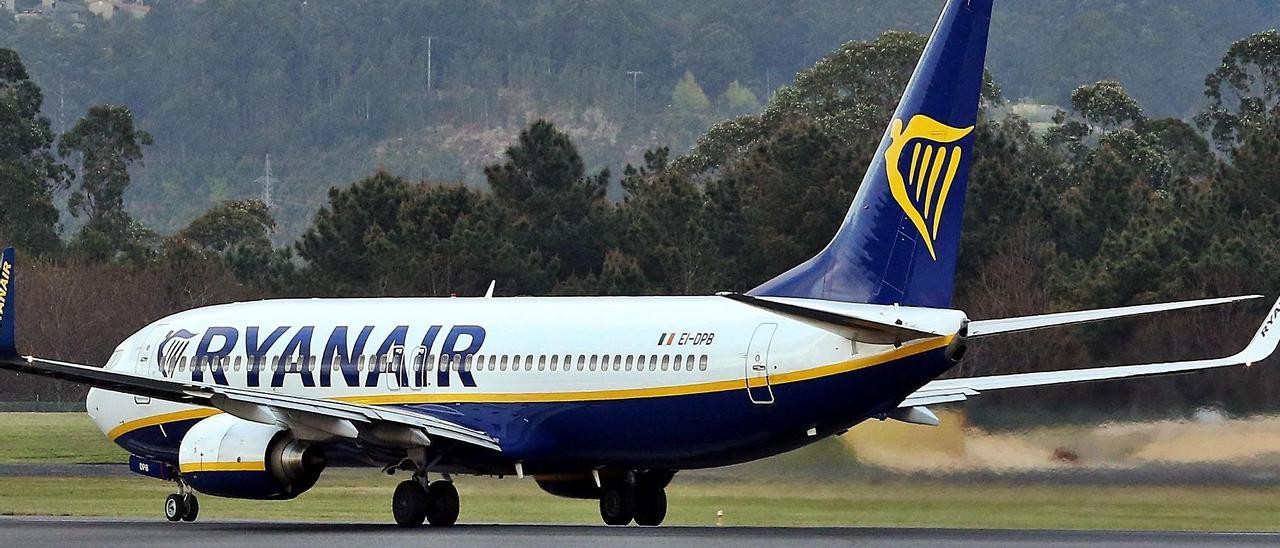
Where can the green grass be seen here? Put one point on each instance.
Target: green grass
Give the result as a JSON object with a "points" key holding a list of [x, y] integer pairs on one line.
{"points": [[812, 487], [60, 438]]}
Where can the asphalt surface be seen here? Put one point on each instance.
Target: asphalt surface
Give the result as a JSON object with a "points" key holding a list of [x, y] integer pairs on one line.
{"points": [[51, 531]]}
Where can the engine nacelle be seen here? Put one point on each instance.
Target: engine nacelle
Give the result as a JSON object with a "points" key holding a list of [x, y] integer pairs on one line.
{"points": [[229, 457]]}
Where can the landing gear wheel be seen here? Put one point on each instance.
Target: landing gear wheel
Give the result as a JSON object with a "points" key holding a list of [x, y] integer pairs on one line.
{"points": [[409, 503], [442, 504], [651, 506], [174, 507], [193, 508], [617, 505]]}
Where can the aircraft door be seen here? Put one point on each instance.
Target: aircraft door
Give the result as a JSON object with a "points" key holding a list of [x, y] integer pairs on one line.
{"points": [[757, 362], [417, 373], [392, 367]]}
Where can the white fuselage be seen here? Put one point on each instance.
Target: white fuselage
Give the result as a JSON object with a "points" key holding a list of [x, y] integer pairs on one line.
{"points": [[474, 350]]}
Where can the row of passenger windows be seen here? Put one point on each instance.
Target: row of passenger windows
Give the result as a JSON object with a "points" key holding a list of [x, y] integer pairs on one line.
{"points": [[481, 362]]}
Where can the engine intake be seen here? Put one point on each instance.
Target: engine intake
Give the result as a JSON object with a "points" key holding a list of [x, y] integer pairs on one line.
{"points": [[229, 457]]}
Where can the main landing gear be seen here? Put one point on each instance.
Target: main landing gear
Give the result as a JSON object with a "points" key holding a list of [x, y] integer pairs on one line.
{"points": [[416, 500], [636, 497]]}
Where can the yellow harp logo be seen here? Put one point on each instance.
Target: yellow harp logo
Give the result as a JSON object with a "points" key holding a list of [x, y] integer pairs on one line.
{"points": [[922, 191]]}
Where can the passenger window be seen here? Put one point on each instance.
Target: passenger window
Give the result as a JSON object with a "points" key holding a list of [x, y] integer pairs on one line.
{"points": [[582, 361], [679, 363], [502, 364], [702, 363], [617, 362], [182, 363], [592, 364], [666, 361], [555, 360], [653, 362], [360, 363], [528, 362], [542, 362], [631, 360]]}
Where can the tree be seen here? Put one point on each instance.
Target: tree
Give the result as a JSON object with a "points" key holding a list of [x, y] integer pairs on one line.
{"points": [[666, 231], [544, 185], [1105, 103], [737, 100], [688, 97], [780, 203], [350, 246], [848, 95], [1244, 90], [28, 170], [239, 233], [236, 223], [107, 144]]}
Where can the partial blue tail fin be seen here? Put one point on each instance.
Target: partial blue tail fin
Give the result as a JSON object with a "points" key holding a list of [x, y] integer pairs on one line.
{"points": [[899, 241], [8, 348]]}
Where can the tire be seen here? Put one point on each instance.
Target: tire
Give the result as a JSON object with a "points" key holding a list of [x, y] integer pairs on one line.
{"points": [[442, 504], [409, 504], [174, 507], [617, 505], [651, 506], [193, 508]]}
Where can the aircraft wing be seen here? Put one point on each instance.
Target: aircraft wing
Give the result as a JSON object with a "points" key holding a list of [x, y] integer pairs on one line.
{"points": [[983, 328], [951, 390], [312, 418]]}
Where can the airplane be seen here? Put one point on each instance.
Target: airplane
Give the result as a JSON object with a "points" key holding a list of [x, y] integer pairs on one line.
{"points": [[602, 398]]}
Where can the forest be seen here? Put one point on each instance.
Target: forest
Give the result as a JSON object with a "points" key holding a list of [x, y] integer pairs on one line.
{"points": [[1114, 198], [334, 89]]}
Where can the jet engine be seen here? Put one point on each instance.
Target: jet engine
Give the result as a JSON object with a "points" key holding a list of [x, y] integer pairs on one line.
{"points": [[229, 457]]}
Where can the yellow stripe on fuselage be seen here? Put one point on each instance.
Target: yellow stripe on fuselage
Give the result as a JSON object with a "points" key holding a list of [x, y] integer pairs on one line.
{"points": [[581, 396], [251, 466], [163, 418]]}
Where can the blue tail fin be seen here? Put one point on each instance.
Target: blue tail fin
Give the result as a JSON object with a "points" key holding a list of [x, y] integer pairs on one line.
{"points": [[7, 347], [899, 241]]}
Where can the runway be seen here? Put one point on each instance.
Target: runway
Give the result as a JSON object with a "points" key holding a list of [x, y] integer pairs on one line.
{"points": [[53, 531]]}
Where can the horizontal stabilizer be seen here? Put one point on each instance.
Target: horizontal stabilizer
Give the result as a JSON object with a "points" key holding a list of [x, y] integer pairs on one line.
{"points": [[871, 324], [983, 328], [949, 390]]}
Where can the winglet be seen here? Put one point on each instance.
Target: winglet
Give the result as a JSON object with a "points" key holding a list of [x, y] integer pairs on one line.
{"points": [[1264, 341], [8, 348]]}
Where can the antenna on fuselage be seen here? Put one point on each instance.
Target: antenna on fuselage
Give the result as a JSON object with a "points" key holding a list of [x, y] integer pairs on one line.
{"points": [[488, 294]]}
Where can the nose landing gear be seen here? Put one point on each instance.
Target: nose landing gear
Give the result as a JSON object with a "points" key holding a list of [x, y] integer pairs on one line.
{"points": [[181, 507]]}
